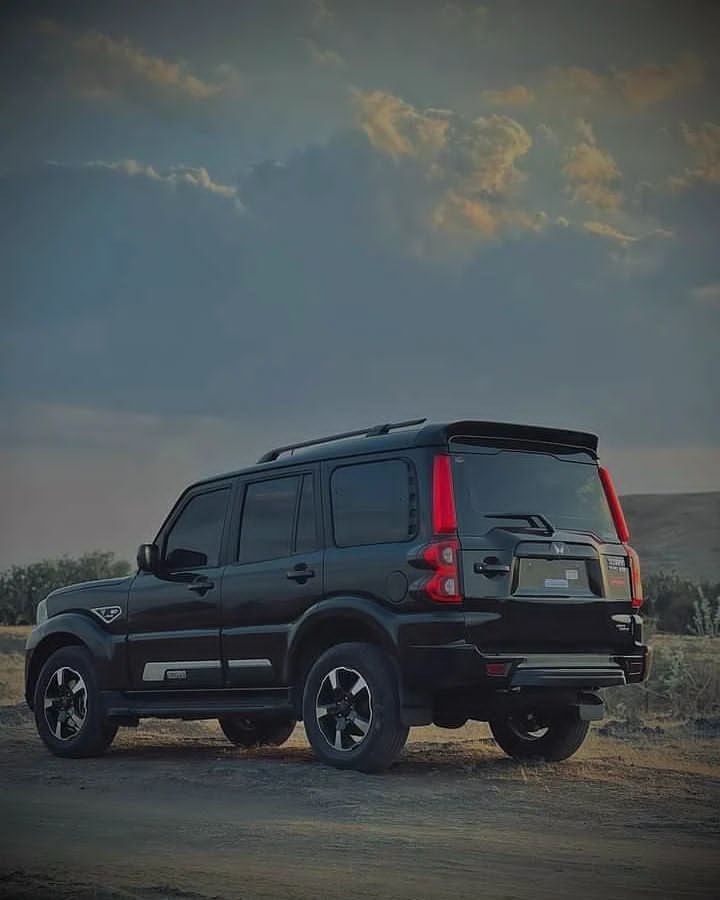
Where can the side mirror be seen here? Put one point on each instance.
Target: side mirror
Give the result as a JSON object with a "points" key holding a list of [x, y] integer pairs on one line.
{"points": [[148, 557]]}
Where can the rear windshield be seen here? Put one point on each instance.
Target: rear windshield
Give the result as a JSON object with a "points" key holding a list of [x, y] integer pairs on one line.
{"points": [[565, 489]]}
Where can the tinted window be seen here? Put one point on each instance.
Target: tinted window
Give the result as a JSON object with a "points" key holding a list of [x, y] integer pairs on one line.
{"points": [[566, 490], [306, 538], [194, 539], [371, 503], [267, 519]]}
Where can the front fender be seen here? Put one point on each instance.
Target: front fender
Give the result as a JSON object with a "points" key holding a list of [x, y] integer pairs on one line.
{"points": [[108, 650]]}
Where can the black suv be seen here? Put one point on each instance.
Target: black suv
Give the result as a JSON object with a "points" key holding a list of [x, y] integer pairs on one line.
{"points": [[400, 575]]}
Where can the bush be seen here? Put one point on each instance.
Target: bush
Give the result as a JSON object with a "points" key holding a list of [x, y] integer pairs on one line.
{"points": [[23, 587], [684, 683], [672, 602]]}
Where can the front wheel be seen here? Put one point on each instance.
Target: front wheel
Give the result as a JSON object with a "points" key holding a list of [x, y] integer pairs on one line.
{"points": [[244, 732], [552, 736], [351, 708], [68, 708]]}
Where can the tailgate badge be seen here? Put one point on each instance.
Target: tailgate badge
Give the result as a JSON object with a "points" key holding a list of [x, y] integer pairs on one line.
{"points": [[557, 549]]}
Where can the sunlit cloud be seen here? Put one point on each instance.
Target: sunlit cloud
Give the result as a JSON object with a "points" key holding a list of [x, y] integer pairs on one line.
{"points": [[100, 67], [645, 85], [592, 173], [191, 176], [517, 95], [705, 144]]}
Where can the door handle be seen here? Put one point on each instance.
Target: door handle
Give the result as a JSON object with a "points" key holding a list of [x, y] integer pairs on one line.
{"points": [[301, 573], [490, 569], [201, 586]]}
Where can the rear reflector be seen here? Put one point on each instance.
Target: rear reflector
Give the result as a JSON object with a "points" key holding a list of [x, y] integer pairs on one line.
{"points": [[444, 518], [618, 516], [497, 669]]}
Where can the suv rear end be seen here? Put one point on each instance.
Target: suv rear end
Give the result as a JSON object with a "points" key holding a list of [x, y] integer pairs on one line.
{"points": [[530, 544]]}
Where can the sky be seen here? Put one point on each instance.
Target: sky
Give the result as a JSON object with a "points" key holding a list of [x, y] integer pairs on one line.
{"points": [[229, 225]]}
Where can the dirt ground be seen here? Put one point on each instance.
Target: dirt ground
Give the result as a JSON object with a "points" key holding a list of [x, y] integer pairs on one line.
{"points": [[175, 811]]}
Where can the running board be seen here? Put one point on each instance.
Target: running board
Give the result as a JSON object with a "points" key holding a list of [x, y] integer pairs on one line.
{"points": [[196, 704]]}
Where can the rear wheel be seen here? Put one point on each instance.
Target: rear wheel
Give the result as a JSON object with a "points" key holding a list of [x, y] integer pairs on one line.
{"points": [[351, 708], [552, 736], [249, 733], [68, 708]]}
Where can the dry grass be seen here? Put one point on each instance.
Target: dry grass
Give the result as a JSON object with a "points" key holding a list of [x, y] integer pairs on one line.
{"points": [[12, 663]]}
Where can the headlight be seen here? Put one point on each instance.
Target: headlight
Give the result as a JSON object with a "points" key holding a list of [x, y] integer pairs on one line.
{"points": [[41, 612]]}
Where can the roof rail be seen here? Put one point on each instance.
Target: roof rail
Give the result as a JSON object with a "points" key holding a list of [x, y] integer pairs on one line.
{"points": [[373, 431]]}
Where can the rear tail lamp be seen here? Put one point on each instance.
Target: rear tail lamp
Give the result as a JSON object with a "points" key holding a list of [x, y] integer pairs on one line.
{"points": [[623, 532], [444, 519], [441, 556], [443, 585], [636, 590]]}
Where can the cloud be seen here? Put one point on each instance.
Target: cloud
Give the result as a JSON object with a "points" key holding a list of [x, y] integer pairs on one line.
{"points": [[705, 143], [645, 85], [650, 84], [575, 80], [707, 295], [321, 14], [464, 171], [100, 68], [517, 95], [323, 57], [396, 128], [479, 154], [478, 220], [603, 229], [592, 173], [194, 177]]}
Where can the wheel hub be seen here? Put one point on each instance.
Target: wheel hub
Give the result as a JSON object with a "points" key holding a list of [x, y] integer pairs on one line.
{"points": [[65, 703], [343, 708]]}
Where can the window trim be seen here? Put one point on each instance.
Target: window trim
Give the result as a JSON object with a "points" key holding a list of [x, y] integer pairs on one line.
{"points": [[413, 512], [180, 508]]}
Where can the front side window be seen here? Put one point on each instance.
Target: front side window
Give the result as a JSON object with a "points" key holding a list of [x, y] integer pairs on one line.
{"points": [[371, 503], [268, 518], [194, 539]]}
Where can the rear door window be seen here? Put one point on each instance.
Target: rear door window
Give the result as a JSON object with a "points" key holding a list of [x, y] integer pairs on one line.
{"points": [[268, 518], [371, 503], [565, 489]]}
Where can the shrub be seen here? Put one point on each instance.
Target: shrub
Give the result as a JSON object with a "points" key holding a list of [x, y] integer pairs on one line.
{"points": [[23, 587]]}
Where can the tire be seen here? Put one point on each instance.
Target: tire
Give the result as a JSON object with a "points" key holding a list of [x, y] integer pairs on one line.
{"points": [[68, 708], [552, 737], [351, 708], [249, 733]]}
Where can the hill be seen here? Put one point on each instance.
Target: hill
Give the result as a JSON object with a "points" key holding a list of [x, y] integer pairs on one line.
{"points": [[676, 532]]}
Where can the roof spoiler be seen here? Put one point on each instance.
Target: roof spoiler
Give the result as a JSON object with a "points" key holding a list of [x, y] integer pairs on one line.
{"points": [[533, 434]]}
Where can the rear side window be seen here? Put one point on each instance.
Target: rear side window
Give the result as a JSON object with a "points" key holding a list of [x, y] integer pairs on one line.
{"points": [[371, 503], [194, 539], [267, 520], [566, 489]]}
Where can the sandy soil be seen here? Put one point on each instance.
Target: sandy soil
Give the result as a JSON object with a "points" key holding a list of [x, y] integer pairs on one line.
{"points": [[174, 811]]}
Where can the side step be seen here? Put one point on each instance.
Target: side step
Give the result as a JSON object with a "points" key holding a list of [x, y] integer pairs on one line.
{"points": [[196, 704]]}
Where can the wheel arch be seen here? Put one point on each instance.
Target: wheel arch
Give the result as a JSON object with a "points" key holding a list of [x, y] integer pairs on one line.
{"points": [[68, 630], [339, 621]]}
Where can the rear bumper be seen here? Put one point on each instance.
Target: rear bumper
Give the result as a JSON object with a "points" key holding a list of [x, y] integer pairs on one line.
{"points": [[463, 665]]}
